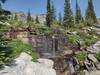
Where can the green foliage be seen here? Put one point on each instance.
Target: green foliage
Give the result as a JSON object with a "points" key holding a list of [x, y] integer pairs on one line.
{"points": [[79, 26], [53, 12], [41, 29], [88, 39], [16, 17], [3, 1], [90, 14], [78, 16], [98, 56], [84, 38], [16, 24], [5, 52], [60, 19], [37, 19], [73, 38], [49, 14], [18, 47], [29, 19], [81, 56], [68, 15]]}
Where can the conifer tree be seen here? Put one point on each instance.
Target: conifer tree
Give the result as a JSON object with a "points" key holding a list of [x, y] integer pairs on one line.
{"points": [[78, 16], [53, 12], [37, 19], [49, 14], [68, 15], [16, 17], [90, 13], [29, 16], [2, 1], [60, 19]]}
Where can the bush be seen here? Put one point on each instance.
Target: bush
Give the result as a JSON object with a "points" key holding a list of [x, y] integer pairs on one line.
{"points": [[89, 40], [82, 56], [73, 38], [5, 52], [18, 47]]}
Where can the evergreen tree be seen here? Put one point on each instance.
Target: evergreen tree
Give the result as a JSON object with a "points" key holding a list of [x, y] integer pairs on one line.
{"points": [[2, 1], [29, 17], [37, 19], [53, 12], [49, 14], [90, 13], [16, 17], [5, 50], [60, 19], [68, 15], [78, 16]]}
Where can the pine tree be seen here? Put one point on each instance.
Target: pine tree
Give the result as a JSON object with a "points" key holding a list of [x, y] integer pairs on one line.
{"points": [[49, 14], [37, 19], [2, 1], [68, 15], [29, 16], [90, 14], [60, 19], [53, 12], [78, 16], [16, 17]]}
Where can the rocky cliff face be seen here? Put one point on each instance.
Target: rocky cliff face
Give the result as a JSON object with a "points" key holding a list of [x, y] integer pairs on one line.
{"points": [[24, 66]]}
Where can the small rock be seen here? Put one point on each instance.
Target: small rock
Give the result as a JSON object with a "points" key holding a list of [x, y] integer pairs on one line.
{"points": [[91, 57], [67, 52]]}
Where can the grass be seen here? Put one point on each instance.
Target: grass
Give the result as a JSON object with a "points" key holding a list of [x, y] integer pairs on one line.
{"points": [[82, 56], [18, 47]]}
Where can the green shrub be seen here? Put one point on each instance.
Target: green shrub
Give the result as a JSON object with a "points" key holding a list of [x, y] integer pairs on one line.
{"points": [[5, 52], [73, 38], [82, 56], [18, 47], [89, 40]]}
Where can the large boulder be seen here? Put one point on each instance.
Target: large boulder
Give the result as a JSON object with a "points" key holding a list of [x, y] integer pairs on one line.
{"points": [[24, 66]]}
